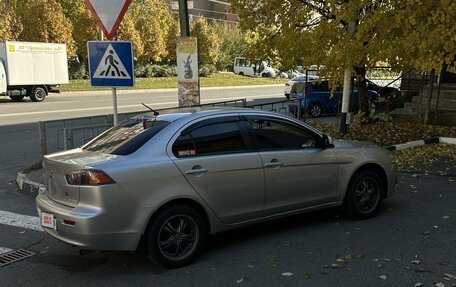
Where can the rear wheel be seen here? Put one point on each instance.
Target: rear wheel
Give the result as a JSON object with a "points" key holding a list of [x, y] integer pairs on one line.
{"points": [[241, 74], [364, 195], [16, 98], [176, 236], [38, 94]]}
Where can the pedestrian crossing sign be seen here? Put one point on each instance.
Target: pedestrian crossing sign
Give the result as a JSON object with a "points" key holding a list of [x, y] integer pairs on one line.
{"points": [[111, 64]]}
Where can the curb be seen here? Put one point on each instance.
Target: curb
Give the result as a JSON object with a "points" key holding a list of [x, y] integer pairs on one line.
{"points": [[26, 185], [421, 142]]}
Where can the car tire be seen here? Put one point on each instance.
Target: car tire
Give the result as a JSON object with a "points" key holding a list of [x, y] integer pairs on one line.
{"points": [[364, 195], [176, 235], [241, 74], [315, 110], [16, 98], [38, 94]]}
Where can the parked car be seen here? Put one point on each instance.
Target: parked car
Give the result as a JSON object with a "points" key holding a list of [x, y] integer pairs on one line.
{"points": [[298, 79], [161, 184], [389, 93], [317, 98]]}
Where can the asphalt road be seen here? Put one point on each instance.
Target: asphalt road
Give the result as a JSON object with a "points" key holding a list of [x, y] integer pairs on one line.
{"points": [[412, 240], [72, 105]]}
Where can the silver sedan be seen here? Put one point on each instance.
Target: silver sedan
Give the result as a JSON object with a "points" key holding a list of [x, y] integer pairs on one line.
{"points": [[160, 184]]}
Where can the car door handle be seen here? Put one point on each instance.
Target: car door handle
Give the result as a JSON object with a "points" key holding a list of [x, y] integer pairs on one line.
{"points": [[196, 171], [273, 164]]}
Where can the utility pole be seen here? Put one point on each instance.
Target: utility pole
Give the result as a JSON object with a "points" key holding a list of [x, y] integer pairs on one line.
{"points": [[344, 119], [187, 62], [183, 18]]}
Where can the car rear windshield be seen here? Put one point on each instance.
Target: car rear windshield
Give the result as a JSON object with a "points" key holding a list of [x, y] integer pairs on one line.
{"points": [[126, 138]]}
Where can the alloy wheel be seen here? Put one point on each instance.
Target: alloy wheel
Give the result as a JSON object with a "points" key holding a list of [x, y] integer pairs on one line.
{"points": [[178, 237]]}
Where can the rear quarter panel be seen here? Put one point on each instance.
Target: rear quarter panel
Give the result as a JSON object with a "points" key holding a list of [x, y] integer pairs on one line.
{"points": [[353, 159]]}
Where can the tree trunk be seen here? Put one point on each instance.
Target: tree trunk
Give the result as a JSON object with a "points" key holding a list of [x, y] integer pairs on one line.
{"points": [[361, 84], [427, 110]]}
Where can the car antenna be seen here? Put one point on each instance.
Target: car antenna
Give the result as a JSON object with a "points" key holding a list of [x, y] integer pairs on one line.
{"points": [[156, 114]]}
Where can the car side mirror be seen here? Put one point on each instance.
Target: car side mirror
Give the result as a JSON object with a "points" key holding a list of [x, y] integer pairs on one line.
{"points": [[327, 141]]}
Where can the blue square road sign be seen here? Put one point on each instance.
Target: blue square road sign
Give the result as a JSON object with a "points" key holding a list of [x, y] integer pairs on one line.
{"points": [[111, 64]]}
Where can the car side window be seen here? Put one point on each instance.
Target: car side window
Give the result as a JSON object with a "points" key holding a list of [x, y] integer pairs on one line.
{"points": [[322, 86], [209, 139], [275, 134]]}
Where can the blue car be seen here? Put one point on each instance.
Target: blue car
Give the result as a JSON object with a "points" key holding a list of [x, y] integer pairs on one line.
{"points": [[317, 99]]}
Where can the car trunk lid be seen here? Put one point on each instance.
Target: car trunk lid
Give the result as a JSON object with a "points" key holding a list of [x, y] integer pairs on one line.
{"points": [[56, 166]]}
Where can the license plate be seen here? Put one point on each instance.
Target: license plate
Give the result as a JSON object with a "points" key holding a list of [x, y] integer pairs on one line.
{"points": [[48, 220]]}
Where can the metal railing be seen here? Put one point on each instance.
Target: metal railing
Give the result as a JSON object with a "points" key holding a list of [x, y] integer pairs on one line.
{"points": [[66, 134], [71, 133]]}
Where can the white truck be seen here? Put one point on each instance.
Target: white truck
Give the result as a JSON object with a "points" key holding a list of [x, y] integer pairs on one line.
{"points": [[32, 69]]}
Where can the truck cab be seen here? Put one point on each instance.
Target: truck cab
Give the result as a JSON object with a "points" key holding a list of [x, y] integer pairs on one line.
{"points": [[3, 86]]}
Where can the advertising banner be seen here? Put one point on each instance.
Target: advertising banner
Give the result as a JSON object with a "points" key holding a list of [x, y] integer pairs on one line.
{"points": [[187, 71]]}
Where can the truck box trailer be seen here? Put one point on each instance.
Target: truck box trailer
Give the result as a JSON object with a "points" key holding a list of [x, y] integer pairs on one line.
{"points": [[32, 69]]}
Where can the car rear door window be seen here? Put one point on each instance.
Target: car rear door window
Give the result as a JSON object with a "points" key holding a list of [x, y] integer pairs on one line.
{"points": [[320, 86], [215, 138], [276, 134]]}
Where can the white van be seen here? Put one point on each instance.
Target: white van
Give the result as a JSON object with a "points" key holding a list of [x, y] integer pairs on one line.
{"points": [[247, 67]]}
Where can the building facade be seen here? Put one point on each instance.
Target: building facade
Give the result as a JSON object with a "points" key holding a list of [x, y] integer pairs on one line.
{"points": [[213, 10]]}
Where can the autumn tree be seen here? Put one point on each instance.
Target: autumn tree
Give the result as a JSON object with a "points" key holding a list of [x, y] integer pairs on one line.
{"points": [[208, 41], [316, 32], [10, 25], [84, 25], [45, 22], [128, 32], [152, 21], [171, 39], [233, 43]]}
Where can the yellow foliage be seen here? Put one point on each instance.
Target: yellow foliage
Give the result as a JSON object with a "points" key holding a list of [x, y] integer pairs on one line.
{"points": [[10, 25], [44, 21], [208, 41], [405, 33]]}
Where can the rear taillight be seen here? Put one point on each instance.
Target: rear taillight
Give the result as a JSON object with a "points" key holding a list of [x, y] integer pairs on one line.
{"points": [[88, 177]]}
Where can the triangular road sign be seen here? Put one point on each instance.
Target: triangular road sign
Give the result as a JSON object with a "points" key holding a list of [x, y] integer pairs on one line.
{"points": [[111, 66], [109, 14]]}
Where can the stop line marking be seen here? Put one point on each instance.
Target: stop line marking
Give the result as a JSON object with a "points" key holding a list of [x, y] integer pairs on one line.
{"points": [[20, 220]]}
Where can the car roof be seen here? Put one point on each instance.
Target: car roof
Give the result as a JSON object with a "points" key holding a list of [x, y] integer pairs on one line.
{"points": [[171, 115]]}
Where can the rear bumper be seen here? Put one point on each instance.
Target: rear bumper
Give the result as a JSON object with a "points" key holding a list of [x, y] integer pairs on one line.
{"points": [[94, 228]]}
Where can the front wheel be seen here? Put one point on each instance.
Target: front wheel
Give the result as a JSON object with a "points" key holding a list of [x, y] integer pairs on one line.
{"points": [[364, 195], [176, 236], [38, 94]]}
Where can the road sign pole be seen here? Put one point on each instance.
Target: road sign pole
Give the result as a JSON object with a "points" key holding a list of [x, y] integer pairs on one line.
{"points": [[114, 90], [114, 105]]}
